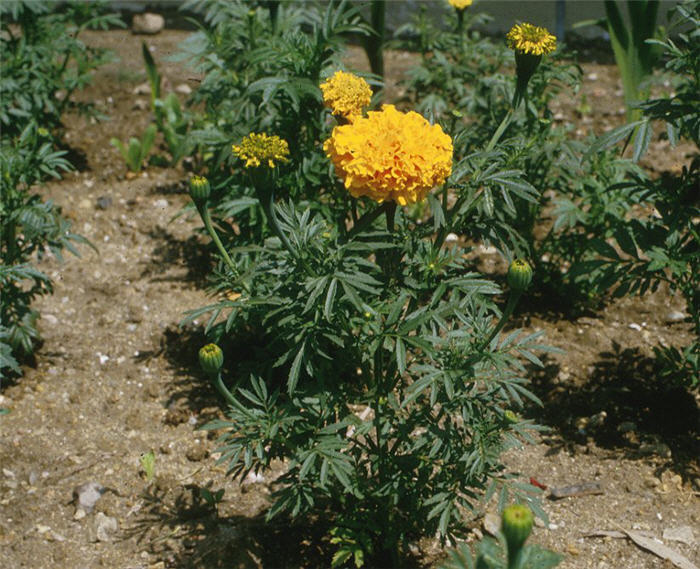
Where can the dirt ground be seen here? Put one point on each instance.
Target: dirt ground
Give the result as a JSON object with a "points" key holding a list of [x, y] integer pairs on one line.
{"points": [[116, 377]]}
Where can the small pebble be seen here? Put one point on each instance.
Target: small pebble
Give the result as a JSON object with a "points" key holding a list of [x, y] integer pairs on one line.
{"points": [[675, 316], [105, 527], [103, 202], [183, 89], [683, 534], [635, 326], [86, 496], [147, 23], [492, 523]]}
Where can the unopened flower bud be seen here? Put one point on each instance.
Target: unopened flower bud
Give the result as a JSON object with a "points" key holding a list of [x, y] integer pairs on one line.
{"points": [[519, 275], [200, 190], [516, 525], [211, 359], [511, 416]]}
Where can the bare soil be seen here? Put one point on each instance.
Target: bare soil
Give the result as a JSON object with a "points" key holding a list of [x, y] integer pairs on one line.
{"points": [[116, 377]]}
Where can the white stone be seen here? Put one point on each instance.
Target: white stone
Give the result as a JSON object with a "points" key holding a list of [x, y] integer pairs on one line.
{"points": [[147, 23], [183, 89], [105, 527], [684, 534]]}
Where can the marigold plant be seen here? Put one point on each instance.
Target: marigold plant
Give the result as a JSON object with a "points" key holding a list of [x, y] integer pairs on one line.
{"points": [[391, 156]]}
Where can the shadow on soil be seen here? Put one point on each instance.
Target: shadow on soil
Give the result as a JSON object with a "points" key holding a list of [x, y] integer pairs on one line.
{"points": [[172, 252], [202, 537], [190, 394], [621, 406]]}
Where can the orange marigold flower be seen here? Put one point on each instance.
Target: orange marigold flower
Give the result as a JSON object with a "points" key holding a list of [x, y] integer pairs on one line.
{"points": [[346, 94], [390, 155], [460, 4]]}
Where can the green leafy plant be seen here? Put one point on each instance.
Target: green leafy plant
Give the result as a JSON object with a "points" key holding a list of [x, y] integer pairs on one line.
{"points": [[634, 54], [170, 119], [137, 150], [148, 464], [28, 228], [664, 247], [385, 384], [42, 63]]}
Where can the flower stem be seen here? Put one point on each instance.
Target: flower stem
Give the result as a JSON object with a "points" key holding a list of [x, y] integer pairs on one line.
{"points": [[366, 220], [222, 389], [507, 312], [206, 218], [267, 200]]}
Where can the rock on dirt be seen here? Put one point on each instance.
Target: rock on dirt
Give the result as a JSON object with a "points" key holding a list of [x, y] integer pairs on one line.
{"points": [[106, 527], [85, 497], [147, 23]]}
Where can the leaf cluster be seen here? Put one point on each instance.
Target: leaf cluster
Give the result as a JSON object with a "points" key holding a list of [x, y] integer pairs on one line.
{"points": [[641, 253], [43, 61]]}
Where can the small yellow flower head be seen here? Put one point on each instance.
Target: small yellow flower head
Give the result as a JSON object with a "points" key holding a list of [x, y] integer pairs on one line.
{"points": [[256, 149], [390, 155], [531, 40], [346, 94], [460, 4]]}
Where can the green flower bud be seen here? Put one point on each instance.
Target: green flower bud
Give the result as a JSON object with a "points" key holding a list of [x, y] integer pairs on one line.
{"points": [[519, 275], [211, 359], [200, 190], [511, 416], [516, 525]]}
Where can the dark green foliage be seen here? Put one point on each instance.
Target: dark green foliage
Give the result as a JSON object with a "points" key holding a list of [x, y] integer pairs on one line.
{"points": [[43, 63], [663, 247]]}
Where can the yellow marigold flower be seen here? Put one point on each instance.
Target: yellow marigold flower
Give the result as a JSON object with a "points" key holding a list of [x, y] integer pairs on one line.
{"points": [[258, 148], [531, 40], [460, 4], [346, 94], [390, 155]]}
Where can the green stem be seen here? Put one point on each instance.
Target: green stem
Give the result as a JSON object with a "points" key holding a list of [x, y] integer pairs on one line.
{"points": [[206, 218], [442, 234], [267, 200], [507, 312], [366, 220], [515, 559], [390, 216], [374, 44], [222, 389], [499, 131]]}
